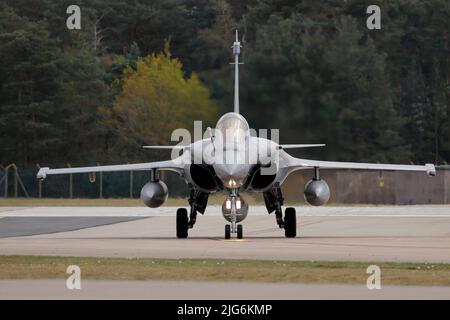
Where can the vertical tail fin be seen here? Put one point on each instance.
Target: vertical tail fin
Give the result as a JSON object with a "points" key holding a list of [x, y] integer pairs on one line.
{"points": [[236, 51]]}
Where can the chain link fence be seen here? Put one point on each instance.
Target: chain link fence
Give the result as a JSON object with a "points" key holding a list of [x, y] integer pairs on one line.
{"points": [[21, 182], [347, 186]]}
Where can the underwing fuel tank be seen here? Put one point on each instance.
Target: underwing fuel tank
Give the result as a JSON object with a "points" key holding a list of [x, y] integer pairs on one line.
{"points": [[154, 193], [241, 208], [317, 192]]}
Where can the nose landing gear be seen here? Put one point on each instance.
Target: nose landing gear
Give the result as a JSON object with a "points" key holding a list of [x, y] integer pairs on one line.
{"points": [[239, 231], [234, 210]]}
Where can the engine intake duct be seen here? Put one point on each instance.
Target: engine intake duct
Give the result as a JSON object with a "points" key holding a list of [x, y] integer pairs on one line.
{"points": [[205, 177], [258, 180]]}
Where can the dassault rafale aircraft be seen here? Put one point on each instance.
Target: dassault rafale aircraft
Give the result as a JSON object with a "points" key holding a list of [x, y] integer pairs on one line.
{"points": [[250, 163]]}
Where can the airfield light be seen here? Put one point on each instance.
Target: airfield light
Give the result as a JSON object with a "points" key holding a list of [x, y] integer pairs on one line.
{"points": [[231, 183]]}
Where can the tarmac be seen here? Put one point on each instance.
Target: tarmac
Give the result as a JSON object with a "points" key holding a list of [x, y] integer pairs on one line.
{"points": [[357, 233], [201, 290]]}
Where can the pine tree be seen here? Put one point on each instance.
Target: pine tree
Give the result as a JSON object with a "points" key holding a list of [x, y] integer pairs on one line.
{"points": [[28, 84]]}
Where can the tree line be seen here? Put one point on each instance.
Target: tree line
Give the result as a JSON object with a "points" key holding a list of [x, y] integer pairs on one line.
{"points": [[139, 69]]}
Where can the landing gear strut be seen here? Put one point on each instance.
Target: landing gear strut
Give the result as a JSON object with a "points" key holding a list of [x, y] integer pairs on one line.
{"points": [[273, 199], [233, 203]]}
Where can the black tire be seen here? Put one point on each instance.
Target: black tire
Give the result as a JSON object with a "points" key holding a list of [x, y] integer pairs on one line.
{"points": [[182, 223], [290, 223], [227, 231], [240, 231]]}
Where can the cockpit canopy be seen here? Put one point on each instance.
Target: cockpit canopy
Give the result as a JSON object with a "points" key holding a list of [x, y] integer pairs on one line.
{"points": [[233, 128]]}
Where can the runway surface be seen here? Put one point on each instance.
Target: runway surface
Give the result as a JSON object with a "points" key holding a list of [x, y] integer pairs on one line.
{"points": [[197, 290], [384, 233], [26, 226]]}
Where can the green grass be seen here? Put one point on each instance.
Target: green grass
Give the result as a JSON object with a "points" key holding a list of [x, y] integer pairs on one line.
{"points": [[44, 267]]}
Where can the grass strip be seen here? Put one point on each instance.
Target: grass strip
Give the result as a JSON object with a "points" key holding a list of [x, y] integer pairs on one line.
{"points": [[48, 267]]}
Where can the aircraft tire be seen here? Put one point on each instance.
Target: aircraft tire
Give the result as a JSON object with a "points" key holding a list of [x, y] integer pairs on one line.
{"points": [[182, 223], [290, 223], [240, 231], [227, 231]]}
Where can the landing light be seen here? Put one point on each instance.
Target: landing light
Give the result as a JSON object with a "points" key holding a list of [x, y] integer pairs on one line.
{"points": [[231, 184], [228, 204], [238, 204]]}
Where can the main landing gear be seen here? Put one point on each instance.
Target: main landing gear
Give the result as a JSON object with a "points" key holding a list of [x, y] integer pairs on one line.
{"points": [[197, 201], [274, 201]]}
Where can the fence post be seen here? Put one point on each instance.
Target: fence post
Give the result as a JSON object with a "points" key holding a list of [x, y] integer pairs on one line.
{"points": [[4, 176], [40, 188], [131, 184], [101, 183], [39, 183], [15, 182], [18, 180], [70, 183], [6, 181]]}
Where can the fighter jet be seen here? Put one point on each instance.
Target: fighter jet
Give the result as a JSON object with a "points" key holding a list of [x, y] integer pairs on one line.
{"points": [[234, 160]]}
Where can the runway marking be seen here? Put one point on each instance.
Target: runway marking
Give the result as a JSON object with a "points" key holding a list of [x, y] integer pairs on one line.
{"points": [[233, 240]]}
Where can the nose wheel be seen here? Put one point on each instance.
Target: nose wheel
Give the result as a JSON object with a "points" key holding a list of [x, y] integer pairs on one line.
{"points": [[227, 231], [239, 230]]}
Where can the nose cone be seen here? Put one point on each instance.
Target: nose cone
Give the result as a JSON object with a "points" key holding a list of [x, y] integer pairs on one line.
{"points": [[231, 170], [232, 175]]}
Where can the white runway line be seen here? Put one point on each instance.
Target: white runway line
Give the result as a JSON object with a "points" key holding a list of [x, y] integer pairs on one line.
{"points": [[415, 211]]}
